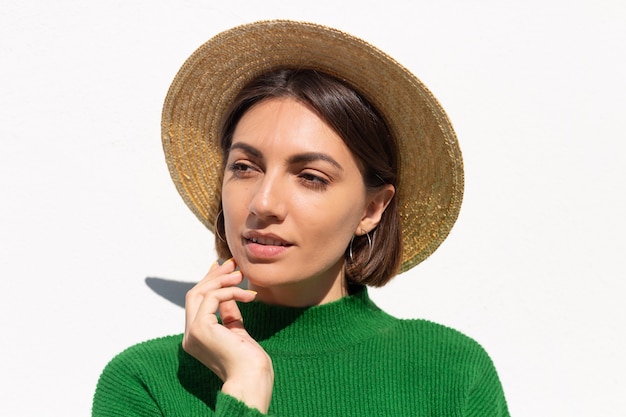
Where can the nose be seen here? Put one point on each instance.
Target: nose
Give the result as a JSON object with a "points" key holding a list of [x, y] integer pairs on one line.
{"points": [[268, 199]]}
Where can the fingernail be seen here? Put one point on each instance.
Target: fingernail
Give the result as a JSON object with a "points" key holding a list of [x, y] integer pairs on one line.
{"points": [[252, 291]]}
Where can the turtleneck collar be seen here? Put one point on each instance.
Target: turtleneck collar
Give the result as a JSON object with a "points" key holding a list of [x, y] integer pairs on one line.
{"points": [[305, 330]]}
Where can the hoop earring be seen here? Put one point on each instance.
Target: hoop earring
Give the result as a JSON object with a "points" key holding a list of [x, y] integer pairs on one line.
{"points": [[215, 229], [350, 249], [369, 243]]}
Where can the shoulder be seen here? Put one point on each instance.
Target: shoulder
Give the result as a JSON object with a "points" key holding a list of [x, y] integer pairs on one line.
{"points": [[160, 344], [436, 333], [159, 351], [145, 364], [423, 337], [443, 345], [447, 353], [142, 379], [449, 357]]}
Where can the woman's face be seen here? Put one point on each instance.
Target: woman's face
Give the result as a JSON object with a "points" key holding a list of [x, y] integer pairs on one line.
{"points": [[293, 196]]}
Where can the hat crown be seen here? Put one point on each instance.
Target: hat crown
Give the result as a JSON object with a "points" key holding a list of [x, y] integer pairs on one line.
{"points": [[430, 188]]}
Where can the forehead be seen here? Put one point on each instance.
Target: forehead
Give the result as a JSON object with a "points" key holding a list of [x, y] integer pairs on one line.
{"points": [[284, 125]]}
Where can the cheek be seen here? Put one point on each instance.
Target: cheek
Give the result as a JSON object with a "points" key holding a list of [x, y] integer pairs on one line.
{"points": [[336, 221], [235, 197], [233, 210]]}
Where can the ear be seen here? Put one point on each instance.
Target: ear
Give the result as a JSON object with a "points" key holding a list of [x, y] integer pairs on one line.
{"points": [[377, 202]]}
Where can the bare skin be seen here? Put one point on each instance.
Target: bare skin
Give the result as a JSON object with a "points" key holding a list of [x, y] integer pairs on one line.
{"points": [[293, 196], [227, 349]]}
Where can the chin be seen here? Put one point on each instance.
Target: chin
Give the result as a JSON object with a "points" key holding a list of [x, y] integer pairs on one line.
{"points": [[267, 280]]}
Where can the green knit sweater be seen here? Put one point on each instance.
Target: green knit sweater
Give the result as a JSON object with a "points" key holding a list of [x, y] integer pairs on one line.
{"points": [[346, 358]]}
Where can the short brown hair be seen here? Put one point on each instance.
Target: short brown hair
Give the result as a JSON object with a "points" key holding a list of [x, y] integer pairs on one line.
{"points": [[367, 136]]}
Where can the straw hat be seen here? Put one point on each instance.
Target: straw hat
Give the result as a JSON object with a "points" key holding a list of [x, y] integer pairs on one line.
{"points": [[431, 170]]}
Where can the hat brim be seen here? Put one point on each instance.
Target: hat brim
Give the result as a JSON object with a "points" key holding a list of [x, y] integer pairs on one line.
{"points": [[430, 188]]}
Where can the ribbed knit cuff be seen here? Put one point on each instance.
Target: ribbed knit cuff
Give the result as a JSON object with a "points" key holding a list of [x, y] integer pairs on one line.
{"points": [[229, 406]]}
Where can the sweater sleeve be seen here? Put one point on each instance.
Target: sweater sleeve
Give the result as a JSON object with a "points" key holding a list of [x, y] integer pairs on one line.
{"points": [[123, 390], [228, 406], [120, 392], [486, 396]]}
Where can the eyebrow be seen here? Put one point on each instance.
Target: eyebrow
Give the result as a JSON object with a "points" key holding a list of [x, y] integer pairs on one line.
{"points": [[314, 156], [247, 149], [295, 159]]}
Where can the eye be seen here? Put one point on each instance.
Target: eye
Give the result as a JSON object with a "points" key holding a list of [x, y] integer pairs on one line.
{"points": [[313, 181], [242, 169]]}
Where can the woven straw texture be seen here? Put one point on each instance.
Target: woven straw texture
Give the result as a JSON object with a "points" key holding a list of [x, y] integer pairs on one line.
{"points": [[431, 169]]}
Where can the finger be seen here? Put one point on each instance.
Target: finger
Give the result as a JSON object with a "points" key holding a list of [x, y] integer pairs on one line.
{"points": [[217, 277], [218, 280], [232, 318], [213, 266], [230, 314], [197, 295], [212, 301], [217, 269], [205, 307]]}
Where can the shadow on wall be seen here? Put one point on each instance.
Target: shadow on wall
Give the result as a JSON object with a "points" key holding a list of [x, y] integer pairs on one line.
{"points": [[174, 291]]}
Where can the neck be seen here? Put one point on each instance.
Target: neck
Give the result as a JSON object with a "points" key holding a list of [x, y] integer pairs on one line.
{"points": [[305, 293], [312, 330]]}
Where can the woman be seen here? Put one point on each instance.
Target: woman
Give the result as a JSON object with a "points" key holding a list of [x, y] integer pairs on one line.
{"points": [[323, 167]]}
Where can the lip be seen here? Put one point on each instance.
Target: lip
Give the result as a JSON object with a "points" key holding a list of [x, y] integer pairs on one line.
{"points": [[269, 239], [265, 245]]}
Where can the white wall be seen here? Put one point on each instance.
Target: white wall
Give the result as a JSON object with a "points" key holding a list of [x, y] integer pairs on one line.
{"points": [[534, 268]]}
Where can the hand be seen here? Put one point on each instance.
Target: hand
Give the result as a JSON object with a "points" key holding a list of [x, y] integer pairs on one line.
{"points": [[227, 349]]}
